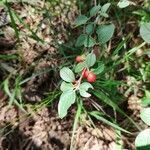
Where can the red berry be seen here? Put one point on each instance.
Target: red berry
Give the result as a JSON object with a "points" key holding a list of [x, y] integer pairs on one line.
{"points": [[85, 73], [91, 77], [79, 58]]}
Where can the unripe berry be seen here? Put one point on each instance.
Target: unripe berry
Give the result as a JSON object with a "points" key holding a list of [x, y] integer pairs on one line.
{"points": [[85, 73], [91, 77], [79, 58]]}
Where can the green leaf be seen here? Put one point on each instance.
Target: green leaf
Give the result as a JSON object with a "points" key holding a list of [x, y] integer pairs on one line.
{"points": [[90, 59], [145, 115], [105, 33], [104, 15], [89, 28], [142, 141], [147, 94], [146, 99], [66, 86], [145, 31], [123, 3], [89, 42], [83, 89], [94, 10], [80, 20], [80, 66], [67, 75], [99, 69], [83, 93], [105, 7], [2, 3], [67, 98], [80, 40], [86, 86]]}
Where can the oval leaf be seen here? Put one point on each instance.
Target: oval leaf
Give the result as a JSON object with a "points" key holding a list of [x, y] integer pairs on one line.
{"points": [[66, 86], [67, 98], [83, 93], [89, 42], [99, 69], [90, 59], [83, 89], [80, 40], [105, 33], [123, 3], [82, 19], [85, 86], [142, 141], [145, 115], [67, 75], [94, 10], [104, 15], [146, 99], [145, 32], [105, 7], [80, 66], [89, 28]]}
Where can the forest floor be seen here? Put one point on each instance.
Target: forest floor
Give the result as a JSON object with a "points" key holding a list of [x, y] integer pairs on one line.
{"points": [[33, 48]]}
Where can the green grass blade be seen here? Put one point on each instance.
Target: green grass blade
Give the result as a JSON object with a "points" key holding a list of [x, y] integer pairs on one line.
{"points": [[133, 50], [34, 36], [99, 117], [12, 20], [78, 113], [12, 98], [120, 45], [35, 75], [6, 87], [8, 57], [11, 95], [118, 141], [110, 102]]}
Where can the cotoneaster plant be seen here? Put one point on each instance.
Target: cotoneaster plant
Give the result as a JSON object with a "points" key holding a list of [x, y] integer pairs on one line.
{"points": [[93, 70], [76, 83], [78, 80]]}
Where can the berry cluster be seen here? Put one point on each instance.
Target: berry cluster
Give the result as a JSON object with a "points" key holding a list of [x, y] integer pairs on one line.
{"points": [[89, 75], [86, 73]]}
